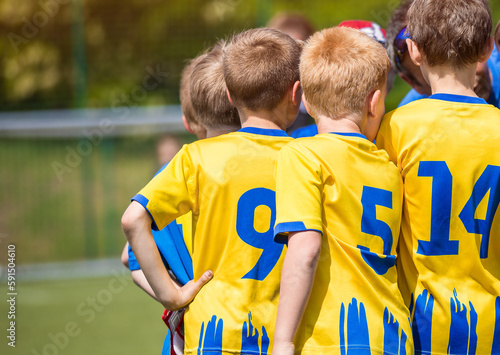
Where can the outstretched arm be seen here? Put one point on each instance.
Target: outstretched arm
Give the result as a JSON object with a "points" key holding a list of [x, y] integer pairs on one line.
{"points": [[136, 224], [297, 280]]}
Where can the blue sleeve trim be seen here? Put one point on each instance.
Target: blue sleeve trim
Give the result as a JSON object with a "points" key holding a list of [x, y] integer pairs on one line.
{"points": [[144, 203], [132, 261], [458, 98], [264, 131], [288, 227]]}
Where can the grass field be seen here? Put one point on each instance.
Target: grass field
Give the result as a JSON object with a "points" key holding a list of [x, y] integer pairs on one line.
{"points": [[99, 316]]}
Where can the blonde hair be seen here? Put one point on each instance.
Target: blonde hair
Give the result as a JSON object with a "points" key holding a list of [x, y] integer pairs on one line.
{"points": [[453, 32], [208, 93], [339, 68], [185, 99], [260, 66]]}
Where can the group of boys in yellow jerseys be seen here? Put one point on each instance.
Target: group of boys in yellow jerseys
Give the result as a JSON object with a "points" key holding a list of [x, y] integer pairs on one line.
{"points": [[392, 247]]}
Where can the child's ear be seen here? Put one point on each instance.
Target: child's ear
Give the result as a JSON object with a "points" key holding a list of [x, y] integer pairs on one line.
{"points": [[186, 125], [414, 53], [296, 93], [229, 97], [488, 49], [373, 106]]}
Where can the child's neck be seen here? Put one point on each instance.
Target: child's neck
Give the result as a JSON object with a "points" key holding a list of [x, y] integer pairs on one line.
{"points": [[214, 132], [263, 119], [448, 80], [341, 125]]}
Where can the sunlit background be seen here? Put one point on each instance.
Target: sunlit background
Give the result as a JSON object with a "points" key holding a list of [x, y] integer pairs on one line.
{"points": [[87, 90]]}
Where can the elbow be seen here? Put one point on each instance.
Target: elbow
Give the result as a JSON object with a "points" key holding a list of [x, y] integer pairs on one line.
{"points": [[135, 218], [168, 303]]}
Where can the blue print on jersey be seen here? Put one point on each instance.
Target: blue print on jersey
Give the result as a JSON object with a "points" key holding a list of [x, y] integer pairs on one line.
{"points": [[460, 340], [211, 340], [495, 349], [358, 341], [422, 323], [250, 339], [489, 181], [393, 344], [271, 251]]}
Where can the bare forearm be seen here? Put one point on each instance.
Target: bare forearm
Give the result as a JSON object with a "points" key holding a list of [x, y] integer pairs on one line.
{"points": [[141, 281], [296, 283], [137, 227]]}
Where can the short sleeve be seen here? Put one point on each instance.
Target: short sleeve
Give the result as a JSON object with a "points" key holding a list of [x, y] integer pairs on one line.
{"points": [[298, 193], [171, 193]]}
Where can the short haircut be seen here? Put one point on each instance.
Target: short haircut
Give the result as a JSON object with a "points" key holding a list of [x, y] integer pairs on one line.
{"points": [[208, 93], [294, 24], [452, 32], [339, 68], [185, 99], [497, 36], [260, 66]]}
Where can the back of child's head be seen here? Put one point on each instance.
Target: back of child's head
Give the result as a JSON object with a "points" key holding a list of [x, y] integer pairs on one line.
{"points": [[339, 68], [208, 93], [260, 66], [294, 24], [185, 99], [450, 32]]}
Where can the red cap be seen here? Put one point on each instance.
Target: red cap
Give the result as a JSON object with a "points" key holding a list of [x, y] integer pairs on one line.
{"points": [[372, 29]]}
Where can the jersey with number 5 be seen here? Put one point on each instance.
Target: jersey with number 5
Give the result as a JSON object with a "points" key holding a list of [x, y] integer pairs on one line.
{"points": [[228, 183], [344, 187], [447, 148]]}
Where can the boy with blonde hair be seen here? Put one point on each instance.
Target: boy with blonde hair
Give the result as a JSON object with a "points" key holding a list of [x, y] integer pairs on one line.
{"points": [[228, 184], [447, 150], [338, 203]]}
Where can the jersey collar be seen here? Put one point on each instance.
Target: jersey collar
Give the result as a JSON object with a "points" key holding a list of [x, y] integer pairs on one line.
{"points": [[359, 135], [458, 98], [264, 131]]}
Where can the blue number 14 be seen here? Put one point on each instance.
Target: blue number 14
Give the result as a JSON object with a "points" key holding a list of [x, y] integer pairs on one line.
{"points": [[440, 243]]}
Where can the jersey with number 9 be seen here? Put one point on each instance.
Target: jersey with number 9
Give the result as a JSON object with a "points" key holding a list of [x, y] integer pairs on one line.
{"points": [[228, 183], [447, 149]]}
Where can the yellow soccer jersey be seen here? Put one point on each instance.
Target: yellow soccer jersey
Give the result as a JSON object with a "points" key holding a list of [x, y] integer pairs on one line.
{"points": [[344, 187], [228, 184], [447, 149]]}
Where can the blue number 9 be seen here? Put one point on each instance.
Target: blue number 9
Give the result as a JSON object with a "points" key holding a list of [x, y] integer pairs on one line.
{"points": [[245, 217]]}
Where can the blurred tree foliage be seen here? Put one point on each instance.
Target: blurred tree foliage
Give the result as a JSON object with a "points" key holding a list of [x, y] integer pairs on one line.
{"points": [[131, 52]]}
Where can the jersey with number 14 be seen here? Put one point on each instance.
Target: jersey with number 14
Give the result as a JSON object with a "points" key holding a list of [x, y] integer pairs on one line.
{"points": [[344, 187], [228, 183], [447, 148]]}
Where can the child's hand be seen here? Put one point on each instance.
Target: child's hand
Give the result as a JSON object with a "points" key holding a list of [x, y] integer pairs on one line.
{"points": [[186, 293]]}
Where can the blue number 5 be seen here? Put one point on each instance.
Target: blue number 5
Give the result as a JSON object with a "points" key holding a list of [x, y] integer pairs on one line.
{"points": [[371, 198], [245, 217]]}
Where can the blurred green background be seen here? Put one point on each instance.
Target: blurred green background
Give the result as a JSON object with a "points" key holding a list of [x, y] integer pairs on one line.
{"points": [[65, 55]]}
